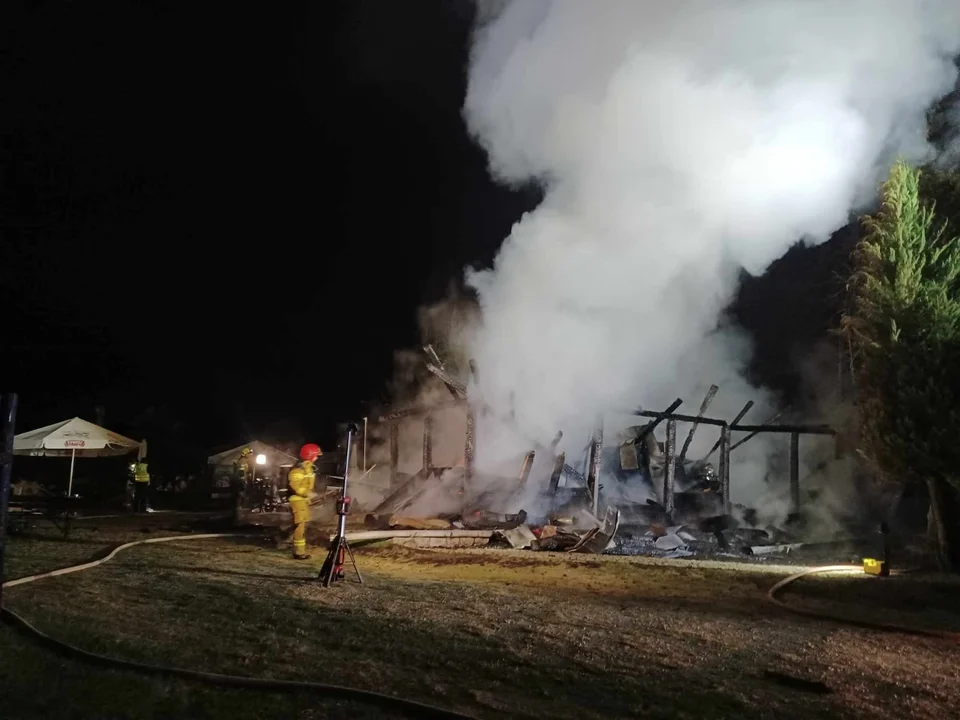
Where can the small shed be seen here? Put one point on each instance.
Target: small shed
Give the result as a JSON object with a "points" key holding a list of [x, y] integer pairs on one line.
{"points": [[270, 463]]}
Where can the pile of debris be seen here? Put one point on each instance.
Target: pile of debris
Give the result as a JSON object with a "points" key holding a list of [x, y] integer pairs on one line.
{"points": [[704, 540], [403, 516], [558, 534], [668, 504]]}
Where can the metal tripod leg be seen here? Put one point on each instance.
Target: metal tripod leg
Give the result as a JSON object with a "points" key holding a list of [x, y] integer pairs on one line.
{"points": [[353, 560], [327, 569]]}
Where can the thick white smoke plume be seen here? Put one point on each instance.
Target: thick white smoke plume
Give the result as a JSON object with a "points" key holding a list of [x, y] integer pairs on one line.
{"points": [[677, 142]]}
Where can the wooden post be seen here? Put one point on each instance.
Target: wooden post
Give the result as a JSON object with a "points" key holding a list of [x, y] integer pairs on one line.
{"points": [[593, 473], [794, 472], [557, 472], [725, 467], [428, 443], [738, 418], [527, 466], [669, 467], [711, 393], [658, 417], [394, 453], [469, 447]]}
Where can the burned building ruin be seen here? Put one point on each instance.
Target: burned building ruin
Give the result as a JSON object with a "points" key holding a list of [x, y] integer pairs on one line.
{"points": [[645, 480]]}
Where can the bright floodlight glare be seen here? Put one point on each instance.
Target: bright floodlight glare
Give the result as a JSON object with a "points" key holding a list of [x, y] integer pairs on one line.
{"points": [[261, 459]]}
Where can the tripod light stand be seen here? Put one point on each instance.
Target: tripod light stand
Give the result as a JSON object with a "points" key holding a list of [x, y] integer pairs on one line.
{"points": [[332, 569]]}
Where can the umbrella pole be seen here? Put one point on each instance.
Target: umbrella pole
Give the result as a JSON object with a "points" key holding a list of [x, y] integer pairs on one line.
{"points": [[73, 456]]}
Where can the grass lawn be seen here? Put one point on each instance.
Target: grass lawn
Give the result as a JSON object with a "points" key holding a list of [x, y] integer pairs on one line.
{"points": [[489, 633]]}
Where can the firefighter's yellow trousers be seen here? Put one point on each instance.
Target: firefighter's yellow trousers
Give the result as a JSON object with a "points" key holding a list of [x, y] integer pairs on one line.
{"points": [[301, 513]]}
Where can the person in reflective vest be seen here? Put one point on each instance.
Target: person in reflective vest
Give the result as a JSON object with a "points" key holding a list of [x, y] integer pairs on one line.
{"points": [[141, 481], [301, 481], [241, 476]]}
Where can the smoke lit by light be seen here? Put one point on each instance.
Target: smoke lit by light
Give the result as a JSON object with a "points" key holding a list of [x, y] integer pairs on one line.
{"points": [[676, 144]]}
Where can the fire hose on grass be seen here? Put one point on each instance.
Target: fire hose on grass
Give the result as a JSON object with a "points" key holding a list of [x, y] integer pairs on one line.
{"points": [[865, 624], [409, 707]]}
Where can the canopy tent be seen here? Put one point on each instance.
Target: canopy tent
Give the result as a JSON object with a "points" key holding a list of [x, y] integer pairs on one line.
{"points": [[272, 456], [74, 438]]}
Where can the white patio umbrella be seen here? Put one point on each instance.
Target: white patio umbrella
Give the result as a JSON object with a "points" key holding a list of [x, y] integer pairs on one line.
{"points": [[74, 438]]}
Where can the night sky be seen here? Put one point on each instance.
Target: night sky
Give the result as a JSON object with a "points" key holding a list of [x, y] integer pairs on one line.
{"points": [[219, 224]]}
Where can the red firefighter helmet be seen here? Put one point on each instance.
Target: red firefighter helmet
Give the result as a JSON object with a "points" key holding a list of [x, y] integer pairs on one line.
{"points": [[310, 452]]}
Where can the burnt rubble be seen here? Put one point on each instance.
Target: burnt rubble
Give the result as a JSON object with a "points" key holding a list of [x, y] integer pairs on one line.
{"points": [[657, 501]]}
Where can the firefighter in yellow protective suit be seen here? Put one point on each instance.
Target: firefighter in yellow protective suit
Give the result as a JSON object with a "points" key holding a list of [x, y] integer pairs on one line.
{"points": [[301, 480]]}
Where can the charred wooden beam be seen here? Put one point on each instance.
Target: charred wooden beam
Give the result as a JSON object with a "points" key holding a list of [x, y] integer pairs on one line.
{"points": [[658, 417], [711, 393], [794, 472], [569, 470], [562, 466], [738, 418], [593, 474], [757, 432], [527, 466], [725, 467], [679, 418], [419, 410], [558, 467], [456, 388], [576, 475], [394, 454], [432, 355], [670, 467], [469, 448], [561, 459], [801, 429], [428, 443], [471, 422]]}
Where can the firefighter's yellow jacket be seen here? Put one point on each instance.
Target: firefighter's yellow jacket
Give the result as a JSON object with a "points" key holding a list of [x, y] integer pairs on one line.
{"points": [[301, 480]]}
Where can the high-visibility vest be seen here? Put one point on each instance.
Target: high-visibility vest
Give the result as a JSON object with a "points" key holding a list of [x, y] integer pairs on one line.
{"points": [[241, 470], [140, 473]]}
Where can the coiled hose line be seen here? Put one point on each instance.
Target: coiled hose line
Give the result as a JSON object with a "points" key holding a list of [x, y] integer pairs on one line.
{"points": [[401, 705]]}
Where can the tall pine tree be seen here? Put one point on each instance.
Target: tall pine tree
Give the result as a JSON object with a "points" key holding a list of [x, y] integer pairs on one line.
{"points": [[903, 326]]}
